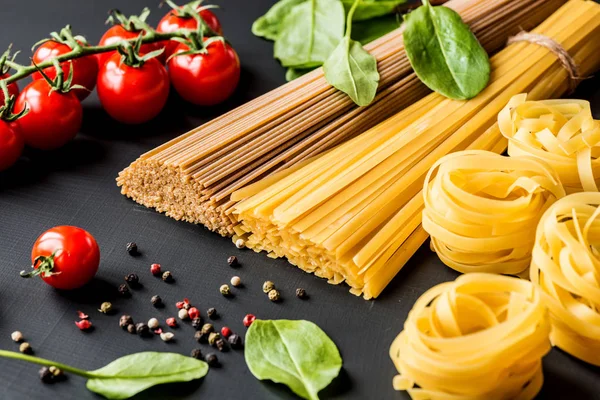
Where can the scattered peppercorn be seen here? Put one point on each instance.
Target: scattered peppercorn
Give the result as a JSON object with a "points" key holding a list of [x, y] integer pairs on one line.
{"points": [[125, 321], [232, 261], [84, 324], [16, 336], [201, 337], [46, 376], [236, 281], [132, 248], [153, 323], [301, 293], [225, 290], [235, 341], [131, 328], [212, 313], [212, 360], [240, 244], [187, 306], [142, 329], [25, 348], [106, 308], [133, 280], [157, 331], [124, 290], [167, 336], [167, 276], [220, 344], [155, 269], [82, 315], [274, 295], [196, 353], [197, 323], [207, 328], [213, 337], [183, 314], [172, 322], [193, 313], [248, 320], [225, 332], [268, 286], [156, 301], [57, 373]]}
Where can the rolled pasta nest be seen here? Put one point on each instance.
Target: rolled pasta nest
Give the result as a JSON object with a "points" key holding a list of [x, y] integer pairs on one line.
{"points": [[566, 266], [479, 337], [561, 132], [482, 209]]}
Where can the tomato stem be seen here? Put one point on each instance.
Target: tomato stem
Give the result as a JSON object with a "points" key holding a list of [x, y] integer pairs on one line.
{"points": [[45, 265]]}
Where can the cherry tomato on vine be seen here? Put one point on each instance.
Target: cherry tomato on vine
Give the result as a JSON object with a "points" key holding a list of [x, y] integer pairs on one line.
{"points": [[65, 257], [13, 89], [85, 69], [54, 117], [11, 144], [133, 95], [175, 20], [117, 33], [205, 79]]}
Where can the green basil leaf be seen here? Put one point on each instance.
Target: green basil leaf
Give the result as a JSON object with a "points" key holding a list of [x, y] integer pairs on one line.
{"points": [[293, 73], [296, 353], [310, 32], [444, 53], [368, 9], [129, 375], [367, 31], [353, 70], [269, 25]]}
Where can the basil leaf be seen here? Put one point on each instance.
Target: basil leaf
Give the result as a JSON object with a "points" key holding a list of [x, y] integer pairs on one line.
{"points": [[444, 53], [372, 8], [310, 33], [293, 73], [129, 375], [269, 25], [367, 31], [296, 353]]}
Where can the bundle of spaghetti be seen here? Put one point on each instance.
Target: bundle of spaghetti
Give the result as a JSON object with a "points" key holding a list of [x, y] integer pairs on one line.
{"points": [[560, 132], [192, 177], [566, 267], [354, 214], [482, 209], [481, 337]]}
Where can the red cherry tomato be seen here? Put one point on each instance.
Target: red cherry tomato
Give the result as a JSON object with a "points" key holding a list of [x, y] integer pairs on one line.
{"points": [[76, 257], [85, 69], [117, 33], [11, 144], [133, 95], [172, 22], [54, 118], [13, 89], [205, 79]]}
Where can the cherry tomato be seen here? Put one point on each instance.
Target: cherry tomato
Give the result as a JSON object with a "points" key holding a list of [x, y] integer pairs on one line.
{"points": [[54, 118], [85, 69], [13, 89], [205, 79], [117, 33], [172, 22], [11, 144], [133, 95], [66, 257]]}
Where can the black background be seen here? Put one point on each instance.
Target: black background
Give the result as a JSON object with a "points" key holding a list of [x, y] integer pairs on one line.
{"points": [[76, 186]]}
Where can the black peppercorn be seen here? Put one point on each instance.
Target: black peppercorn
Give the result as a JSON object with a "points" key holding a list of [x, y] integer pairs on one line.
{"points": [[46, 376], [235, 341], [132, 248], [220, 343], [125, 321], [212, 313], [124, 290], [196, 353], [156, 301], [212, 360], [197, 323], [131, 328], [232, 261], [301, 293], [167, 276], [133, 280], [142, 329], [201, 337]]}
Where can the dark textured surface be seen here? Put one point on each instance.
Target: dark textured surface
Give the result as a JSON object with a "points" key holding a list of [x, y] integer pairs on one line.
{"points": [[76, 186]]}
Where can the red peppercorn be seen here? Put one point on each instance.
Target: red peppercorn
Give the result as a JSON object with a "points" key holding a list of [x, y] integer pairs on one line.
{"points": [[193, 313], [172, 322], [249, 319], [155, 269], [225, 332], [179, 305], [84, 324], [82, 315]]}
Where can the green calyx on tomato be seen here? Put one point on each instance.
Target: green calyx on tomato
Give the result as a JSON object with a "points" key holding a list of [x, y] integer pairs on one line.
{"points": [[196, 43], [42, 265], [64, 36], [130, 54], [134, 23], [194, 9], [9, 92], [59, 83]]}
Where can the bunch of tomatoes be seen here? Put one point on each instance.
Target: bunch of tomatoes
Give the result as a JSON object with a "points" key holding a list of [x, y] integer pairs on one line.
{"points": [[132, 90]]}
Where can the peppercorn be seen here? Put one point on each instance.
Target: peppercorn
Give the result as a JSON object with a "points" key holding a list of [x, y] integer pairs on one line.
{"points": [[301, 293], [220, 344], [56, 373], [207, 328], [124, 290], [132, 248], [274, 295], [235, 341], [167, 276], [225, 290], [46, 376], [84, 324], [106, 308], [183, 314], [16, 336], [172, 322], [236, 281], [212, 313], [225, 332], [201, 337], [197, 323], [142, 329], [213, 337], [153, 323], [232, 261], [125, 321], [248, 320], [196, 353], [193, 313], [212, 360], [167, 336], [240, 244], [268, 286], [155, 269], [131, 328], [156, 301], [133, 280], [25, 348]]}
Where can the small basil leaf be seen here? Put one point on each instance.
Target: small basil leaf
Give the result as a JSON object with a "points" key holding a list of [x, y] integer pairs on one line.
{"points": [[367, 31], [293, 73], [296, 353], [444, 53], [351, 69], [368, 9], [129, 375], [269, 25], [310, 33]]}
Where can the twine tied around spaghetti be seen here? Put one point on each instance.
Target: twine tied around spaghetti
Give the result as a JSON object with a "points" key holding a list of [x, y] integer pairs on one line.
{"points": [[563, 55]]}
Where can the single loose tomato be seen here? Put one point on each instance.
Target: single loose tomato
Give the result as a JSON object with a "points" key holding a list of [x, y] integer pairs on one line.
{"points": [[65, 257], [116, 34], [11, 144], [13, 89], [205, 78], [53, 119], [85, 69], [176, 19], [133, 95]]}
